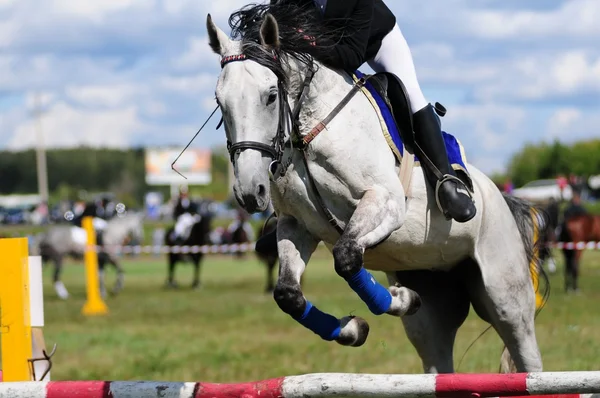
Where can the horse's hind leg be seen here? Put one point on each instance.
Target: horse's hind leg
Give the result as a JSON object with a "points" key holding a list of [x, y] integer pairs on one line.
{"points": [[570, 270], [101, 273], [502, 294], [172, 257], [432, 329], [59, 286], [197, 259], [576, 264], [120, 282], [378, 214]]}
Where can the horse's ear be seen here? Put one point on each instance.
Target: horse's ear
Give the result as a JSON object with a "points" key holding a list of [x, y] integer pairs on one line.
{"points": [[217, 38], [269, 32]]}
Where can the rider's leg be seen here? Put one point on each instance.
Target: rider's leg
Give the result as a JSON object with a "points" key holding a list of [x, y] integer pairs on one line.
{"points": [[395, 57]]}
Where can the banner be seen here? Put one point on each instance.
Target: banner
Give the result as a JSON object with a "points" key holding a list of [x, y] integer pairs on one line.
{"points": [[194, 164]]}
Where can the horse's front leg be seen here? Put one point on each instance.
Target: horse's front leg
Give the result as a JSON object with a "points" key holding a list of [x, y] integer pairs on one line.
{"points": [[378, 214], [295, 246]]}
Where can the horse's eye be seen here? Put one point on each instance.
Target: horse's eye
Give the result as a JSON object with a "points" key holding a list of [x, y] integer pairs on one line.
{"points": [[272, 98]]}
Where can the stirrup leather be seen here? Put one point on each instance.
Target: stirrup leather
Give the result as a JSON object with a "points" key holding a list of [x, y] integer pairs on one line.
{"points": [[445, 178]]}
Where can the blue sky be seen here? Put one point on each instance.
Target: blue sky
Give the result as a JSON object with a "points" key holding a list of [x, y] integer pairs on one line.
{"points": [[139, 72]]}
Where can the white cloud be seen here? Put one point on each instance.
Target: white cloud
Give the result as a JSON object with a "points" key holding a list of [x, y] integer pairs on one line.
{"points": [[197, 55], [575, 18], [190, 85], [64, 126], [572, 124], [111, 96], [546, 76], [96, 10], [141, 72]]}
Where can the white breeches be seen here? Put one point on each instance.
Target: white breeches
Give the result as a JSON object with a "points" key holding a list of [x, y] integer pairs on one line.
{"points": [[99, 224], [395, 57], [184, 224]]}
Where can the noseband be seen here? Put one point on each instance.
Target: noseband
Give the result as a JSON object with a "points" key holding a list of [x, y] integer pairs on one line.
{"points": [[286, 115]]}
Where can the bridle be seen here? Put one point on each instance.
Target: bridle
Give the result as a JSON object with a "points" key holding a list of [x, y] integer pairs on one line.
{"points": [[276, 148], [287, 116]]}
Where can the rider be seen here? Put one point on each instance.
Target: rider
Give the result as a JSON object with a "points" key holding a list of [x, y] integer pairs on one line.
{"points": [[185, 215], [95, 209], [369, 33]]}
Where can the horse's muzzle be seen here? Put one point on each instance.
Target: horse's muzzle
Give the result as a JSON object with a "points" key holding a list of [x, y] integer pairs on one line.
{"points": [[253, 202]]}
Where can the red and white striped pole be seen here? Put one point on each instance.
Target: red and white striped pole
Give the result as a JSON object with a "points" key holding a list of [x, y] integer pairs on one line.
{"points": [[563, 384]]}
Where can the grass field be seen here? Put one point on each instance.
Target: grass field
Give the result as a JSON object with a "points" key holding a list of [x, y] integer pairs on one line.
{"points": [[229, 330]]}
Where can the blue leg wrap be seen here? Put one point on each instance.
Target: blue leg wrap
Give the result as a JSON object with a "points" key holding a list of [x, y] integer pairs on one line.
{"points": [[325, 325], [377, 297]]}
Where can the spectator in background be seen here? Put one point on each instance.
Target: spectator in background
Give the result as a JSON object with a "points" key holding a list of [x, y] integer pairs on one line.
{"points": [[185, 215], [508, 186], [184, 204], [562, 184]]}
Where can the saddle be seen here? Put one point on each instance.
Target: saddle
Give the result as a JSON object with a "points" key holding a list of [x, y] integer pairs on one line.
{"points": [[393, 93]]}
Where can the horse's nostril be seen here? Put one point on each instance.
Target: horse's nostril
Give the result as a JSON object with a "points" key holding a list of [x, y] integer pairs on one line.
{"points": [[261, 190]]}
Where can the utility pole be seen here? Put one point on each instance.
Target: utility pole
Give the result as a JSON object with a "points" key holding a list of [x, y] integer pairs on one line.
{"points": [[42, 171]]}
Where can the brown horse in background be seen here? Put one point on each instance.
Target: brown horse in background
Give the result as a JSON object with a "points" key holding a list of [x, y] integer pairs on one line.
{"points": [[580, 228]]}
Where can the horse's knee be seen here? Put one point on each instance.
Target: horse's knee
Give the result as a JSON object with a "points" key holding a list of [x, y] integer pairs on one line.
{"points": [[290, 299], [347, 257]]}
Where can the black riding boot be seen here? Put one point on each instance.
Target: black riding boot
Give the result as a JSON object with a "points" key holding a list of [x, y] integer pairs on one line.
{"points": [[428, 135]]}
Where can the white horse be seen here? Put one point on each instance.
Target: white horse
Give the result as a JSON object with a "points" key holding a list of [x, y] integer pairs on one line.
{"points": [[60, 240], [343, 188]]}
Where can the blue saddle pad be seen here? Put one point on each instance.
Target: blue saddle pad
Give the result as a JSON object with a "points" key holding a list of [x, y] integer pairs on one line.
{"points": [[455, 151]]}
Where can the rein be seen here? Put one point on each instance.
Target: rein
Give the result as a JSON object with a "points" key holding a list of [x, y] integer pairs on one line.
{"points": [[276, 148]]}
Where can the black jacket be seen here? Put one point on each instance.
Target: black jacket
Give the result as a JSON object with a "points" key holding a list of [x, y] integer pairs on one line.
{"points": [[180, 209], [365, 23]]}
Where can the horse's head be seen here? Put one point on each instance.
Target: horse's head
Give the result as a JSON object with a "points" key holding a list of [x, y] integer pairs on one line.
{"points": [[262, 72], [248, 95]]}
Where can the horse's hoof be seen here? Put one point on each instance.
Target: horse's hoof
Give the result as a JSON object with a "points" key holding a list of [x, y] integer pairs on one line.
{"points": [[404, 301], [61, 290], [195, 286], [354, 331], [118, 287], [171, 285]]}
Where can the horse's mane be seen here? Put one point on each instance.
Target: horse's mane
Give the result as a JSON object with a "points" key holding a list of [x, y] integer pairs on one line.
{"points": [[296, 19]]}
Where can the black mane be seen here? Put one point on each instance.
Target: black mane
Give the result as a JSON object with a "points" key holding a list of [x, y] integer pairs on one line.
{"points": [[292, 16]]}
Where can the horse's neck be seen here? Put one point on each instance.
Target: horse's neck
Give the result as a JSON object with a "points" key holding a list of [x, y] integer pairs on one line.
{"points": [[327, 89]]}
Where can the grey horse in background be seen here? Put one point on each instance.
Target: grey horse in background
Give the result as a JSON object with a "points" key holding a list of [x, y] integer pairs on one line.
{"points": [[60, 241]]}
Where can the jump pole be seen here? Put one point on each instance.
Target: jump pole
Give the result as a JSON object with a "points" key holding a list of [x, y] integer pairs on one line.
{"points": [[320, 385], [21, 312], [94, 304], [15, 318]]}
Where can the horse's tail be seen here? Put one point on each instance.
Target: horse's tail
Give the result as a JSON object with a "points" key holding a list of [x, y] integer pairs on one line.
{"points": [[533, 224]]}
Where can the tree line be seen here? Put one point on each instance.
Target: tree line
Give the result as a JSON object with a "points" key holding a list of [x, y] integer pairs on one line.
{"points": [[92, 170], [71, 171], [548, 160]]}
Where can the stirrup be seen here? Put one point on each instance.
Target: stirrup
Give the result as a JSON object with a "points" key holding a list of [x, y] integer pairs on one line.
{"points": [[445, 178]]}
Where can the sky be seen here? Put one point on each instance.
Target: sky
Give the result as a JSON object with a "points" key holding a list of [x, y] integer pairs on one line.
{"points": [[120, 73]]}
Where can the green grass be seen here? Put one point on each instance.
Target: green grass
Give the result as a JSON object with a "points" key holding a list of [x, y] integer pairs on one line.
{"points": [[229, 330]]}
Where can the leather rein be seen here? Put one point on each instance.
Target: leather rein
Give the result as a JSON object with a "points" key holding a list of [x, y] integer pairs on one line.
{"points": [[276, 148]]}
